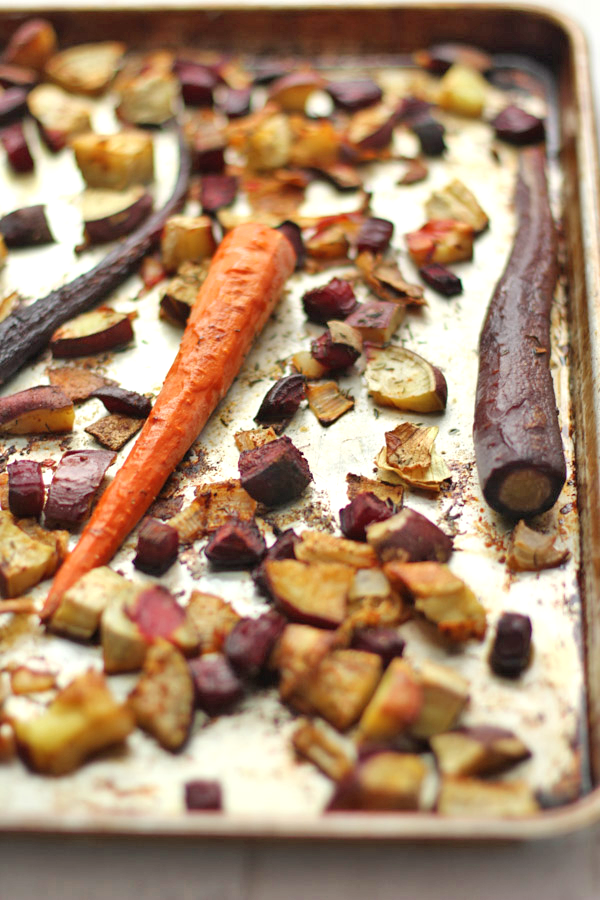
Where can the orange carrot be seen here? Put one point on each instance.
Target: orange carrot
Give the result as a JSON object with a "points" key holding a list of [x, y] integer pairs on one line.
{"points": [[243, 285]]}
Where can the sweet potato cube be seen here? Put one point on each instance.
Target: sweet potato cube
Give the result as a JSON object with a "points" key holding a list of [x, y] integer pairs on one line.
{"points": [[23, 560], [114, 161], [83, 719], [486, 799], [297, 654], [480, 750], [445, 694], [342, 686], [314, 594], [332, 753], [82, 605], [212, 618], [383, 781], [186, 239], [409, 537], [395, 705], [37, 410], [376, 320]]}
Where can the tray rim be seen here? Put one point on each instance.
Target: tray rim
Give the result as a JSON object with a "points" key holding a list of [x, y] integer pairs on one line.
{"points": [[368, 825]]}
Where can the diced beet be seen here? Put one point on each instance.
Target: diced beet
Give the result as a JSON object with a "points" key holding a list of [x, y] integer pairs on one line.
{"points": [[26, 227], [249, 644], [217, 685], [74, 485], [440, 57], [441, 279], [357, 93], [13, 105], [203, 795], [217, 191], [157, 547], [364, 509], [118, 400], [17, 149], [281, 402], [515, 126], [335, 300], [385, 642], [511, 649], [274, 473], [197, 82], [293, 233], [156, 613], [235, 102], [25, 488], [283, 548], [333, 354], [208, 153], [411, 109], [374, 235], [236, 545], [430, 134]]}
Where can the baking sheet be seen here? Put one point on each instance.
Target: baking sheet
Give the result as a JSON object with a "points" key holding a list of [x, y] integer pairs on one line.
{"points": [[250, 750]]}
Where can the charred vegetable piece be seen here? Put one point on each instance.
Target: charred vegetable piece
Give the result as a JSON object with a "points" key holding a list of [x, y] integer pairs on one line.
{"points": [[386, 280], [409, 536], [118, 400], [481, 750], [511, 650], [441, 279], [376, 320], [274, 473], [493, 799], [197, 82], [236, 545], [383, 781], [339, 347], [281, 402], [35, 411], [318, 742], [401, 378], [385, 642], [353, 94], [157, 547], [362, 511], [163, 699], [327, 401], [516, 126], [27, 331], [314, 594], [216, 504], [25, 488], [430, 134], [17, 149], [218, 688], [109, 214], [74, 485], [202, 794], [115, 161], [530, 551], [181, 292], [217, 191], [518, 445], [283, 548], [335, 300], [374, 235], [32, 44], [357, 484], [249, 644], [115, 430], [93, 332], [26, 227], [83, 719], [24, 561]]}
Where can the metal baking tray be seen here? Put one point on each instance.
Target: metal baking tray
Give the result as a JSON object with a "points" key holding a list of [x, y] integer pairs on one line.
{"points": [[556, 706]]}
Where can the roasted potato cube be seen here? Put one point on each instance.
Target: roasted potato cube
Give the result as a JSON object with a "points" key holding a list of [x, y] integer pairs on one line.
{"points": [[57, 540], [23, 560], [486, 799], [317, 741], [186, 238], [115, 161], [481, 750], [269, 146], [314, 594], [341, 687], [319, 546], [83, 719], [86, 68], [462, 90], [395, 705], [445, 694], [59, 115], [149, 97], [163, 699], [82, 605], [383, 781], [441, 241], [456, 201], [297, 654], [124, 647]]}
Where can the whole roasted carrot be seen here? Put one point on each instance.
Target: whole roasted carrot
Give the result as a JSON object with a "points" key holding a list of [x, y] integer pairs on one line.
{"points": [[243, 285]]}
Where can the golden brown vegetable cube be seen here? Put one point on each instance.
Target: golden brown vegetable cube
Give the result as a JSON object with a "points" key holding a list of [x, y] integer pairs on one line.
{"points": [[315, 594], [479, 750], [86, 68], [115, 161], [497, 799], [342, 686], [395, 705], [317, 741], [319, 546], [462, 90], [82, 605], [23, 560], [186, 238], [445, 695], [212, 618], [385, 780], [124, 647], [83, 719]]}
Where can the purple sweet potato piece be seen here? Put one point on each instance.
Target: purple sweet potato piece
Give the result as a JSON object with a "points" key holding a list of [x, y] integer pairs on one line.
{"points": [[118, 400], [283, 548], [203, 794], [364, 509], [385, 642], [157, 547], [74, 485]]}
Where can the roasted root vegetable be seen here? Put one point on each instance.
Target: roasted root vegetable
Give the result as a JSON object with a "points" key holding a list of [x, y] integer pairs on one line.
{"points": [[410, 457], [462, 90], [74, 486], [217, 686], [376, 320], [291, 91], [479, 750], [511, 650], [108, 215], [119, 400], [59, 116], [408, 536], [25, 488], [215, 505], [236, 545], [493, 799], [203, 794], [186, 239], [85, 68], [516, 432], [456, 201], [441, 279], [83, 719], [319, 546], [92, 332], [385, 642], [24, 561], [400, 377], [78, 384], [181, 291], [157, 546], [82, 606], [334, 300], [354, 93], [36, 410], [249, 644], [281, 402], [16, 147], [249, 269], [531, 551], [441, 241], [338, 347], [212, 618], [383, 781], [158, 615], [362, 511], [395, 705], [327, 401], [114, 161], [332, 753], [114, 431], [516, 126], [31, 45], [445, 695], [26, 227], [274, 473], [314, 594]]}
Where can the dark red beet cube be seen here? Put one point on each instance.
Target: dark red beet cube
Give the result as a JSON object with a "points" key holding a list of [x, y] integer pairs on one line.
{"points": [[374, 235], [281, 402], [511, 649], [335, 300], [236, 545], [203, 795], [197, 83], [385, 642], [515, 126], [157, 547], [25, 488], [156, 613], [74, 486], [235, 102], [13, 104], [128, 403], [208, 153], [274, 473], [217, 191], [249, 644], [430, 134], [357, 93], [17, 149], [333, 354], [441, 279], [364, 509], [218, 687]]}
